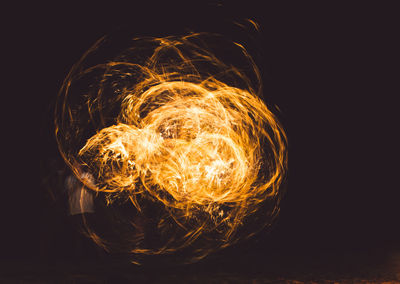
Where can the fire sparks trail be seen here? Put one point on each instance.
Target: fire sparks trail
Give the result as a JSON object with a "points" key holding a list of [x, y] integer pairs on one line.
{"points": [[180, 137]]}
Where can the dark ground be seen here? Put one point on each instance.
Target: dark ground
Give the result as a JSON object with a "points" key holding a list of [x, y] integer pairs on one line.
{"points": [[330, 69], [374, 267]]}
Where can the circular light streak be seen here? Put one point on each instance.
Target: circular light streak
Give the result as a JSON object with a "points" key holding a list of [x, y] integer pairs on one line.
{"points": [[181, 147]]}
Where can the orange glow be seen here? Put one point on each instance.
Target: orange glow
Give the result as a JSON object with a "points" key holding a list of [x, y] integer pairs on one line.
{"points": [[181, 128]]}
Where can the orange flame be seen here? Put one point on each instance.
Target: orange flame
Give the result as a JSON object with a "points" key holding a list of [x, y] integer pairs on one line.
{"points": [[189, 132]]}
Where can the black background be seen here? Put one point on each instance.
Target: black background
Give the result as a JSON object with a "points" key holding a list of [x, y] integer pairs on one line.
{"points": [[328, 67]]}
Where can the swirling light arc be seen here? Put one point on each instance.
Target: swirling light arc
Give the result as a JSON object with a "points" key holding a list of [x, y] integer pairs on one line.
{"points": [[182, 130]]}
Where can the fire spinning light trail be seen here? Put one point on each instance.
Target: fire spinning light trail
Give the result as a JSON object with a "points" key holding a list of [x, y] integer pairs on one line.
{"points": [[184, 154]]}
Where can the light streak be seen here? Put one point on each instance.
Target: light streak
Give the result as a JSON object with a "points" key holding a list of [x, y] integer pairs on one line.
{"points": [[168, 122]]}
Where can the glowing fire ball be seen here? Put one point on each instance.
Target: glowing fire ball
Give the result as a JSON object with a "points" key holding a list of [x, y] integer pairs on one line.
{"points": [[184, 155]]}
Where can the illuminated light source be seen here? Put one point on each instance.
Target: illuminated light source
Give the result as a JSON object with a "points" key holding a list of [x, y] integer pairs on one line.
{"points": [[179, 138]]}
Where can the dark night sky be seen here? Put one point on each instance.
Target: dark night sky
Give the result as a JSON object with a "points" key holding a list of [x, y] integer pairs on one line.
{"points": [[327, 67]]}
